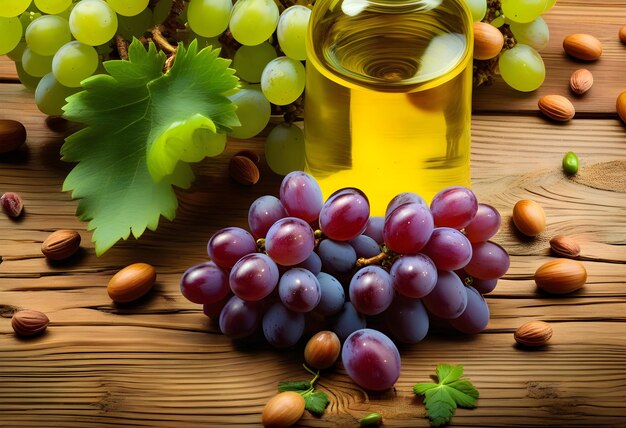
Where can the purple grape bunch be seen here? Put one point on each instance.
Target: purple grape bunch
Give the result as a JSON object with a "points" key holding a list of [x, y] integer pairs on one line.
{"points": [[309, 265]]}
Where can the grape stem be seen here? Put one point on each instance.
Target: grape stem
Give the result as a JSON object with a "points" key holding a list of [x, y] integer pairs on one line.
{"points": [[376, 260], [161, 41], [122, 46]]}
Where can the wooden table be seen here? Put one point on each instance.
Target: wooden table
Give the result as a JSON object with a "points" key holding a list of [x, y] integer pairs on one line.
{"points": [[162, 363]]}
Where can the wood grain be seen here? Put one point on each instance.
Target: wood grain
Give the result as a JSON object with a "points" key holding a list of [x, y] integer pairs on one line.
{"points": [[160, 362]]}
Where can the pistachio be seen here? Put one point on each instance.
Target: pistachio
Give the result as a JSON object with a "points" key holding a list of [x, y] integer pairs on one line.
{"points": [[131, 283], [12, 204], [12, 135], [61, 244], [29, 322], [561, 276], [533, 334]]}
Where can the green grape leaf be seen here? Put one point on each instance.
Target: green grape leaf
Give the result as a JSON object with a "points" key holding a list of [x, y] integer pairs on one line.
{"points": [[142, 128], [315, 401], [441, 399]]}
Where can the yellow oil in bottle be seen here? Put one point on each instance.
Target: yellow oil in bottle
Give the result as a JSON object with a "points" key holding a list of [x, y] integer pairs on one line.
{"points": [[388, 97]]}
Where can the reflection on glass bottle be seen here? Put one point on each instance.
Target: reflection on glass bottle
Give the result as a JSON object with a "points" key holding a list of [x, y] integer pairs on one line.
{"points": [[388, 104]]}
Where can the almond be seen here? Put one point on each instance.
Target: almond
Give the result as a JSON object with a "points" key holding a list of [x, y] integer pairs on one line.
{"points": [[253, 156], [283, 410], [561, 276], [29, 323], [533, 334], [12, 135], [322, 350], [243, 170], [488, 41], [582, 46], [131, 283], [622, 34], [620, 106], [557, 107], [581, 81], [529, 217], [61, 244], [564, 246]]}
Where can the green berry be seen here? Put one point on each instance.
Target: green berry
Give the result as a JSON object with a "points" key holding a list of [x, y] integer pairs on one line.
{"points": [[570, 163], [371, 420]]}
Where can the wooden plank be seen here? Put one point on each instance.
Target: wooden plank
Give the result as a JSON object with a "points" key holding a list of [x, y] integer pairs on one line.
{"points": [[161, 363]]}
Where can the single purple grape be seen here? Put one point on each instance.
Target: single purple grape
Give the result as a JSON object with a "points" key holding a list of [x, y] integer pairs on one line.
{"points": [[213, 310], [407, 319], [371, 359], [454, 207], [403, 199], [374, 229], [239, 318], [371, 290], [449, 297], [414, 276], [348, 321], [230, 244], [448, 248], [489, 261], [365, 247], [254, 277], [408, 228], [333, 295], [282, 328], [475, 317], [313, 263], [205, 283], [483, 286], [301, 196], [263, 213], [484, 225], [336, 256], [345, 214], [289, 241], [299, 290]]}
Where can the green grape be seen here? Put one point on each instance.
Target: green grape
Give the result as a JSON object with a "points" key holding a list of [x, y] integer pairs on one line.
{"points": [[161, 11], [523, 10], [292, 28], [67, 12], [209, 18], [128, 7], [134, 26], [478, 9], [17, 52], [522, 68], [249, 61], [284, 149], [27, 17], [26, 79], [74, 62], [253, 111], [36, 65], [52, 6], [550, 4], [534, 34], [11, 30], [93, 22], [283, 80], [11, 8], [498, 21], [50, 95], [46, 34], [253, 21]]}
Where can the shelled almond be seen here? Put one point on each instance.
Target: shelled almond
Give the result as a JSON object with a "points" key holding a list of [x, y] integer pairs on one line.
{"points": [[561, 276], [61, 245], [131, 283], [581, 81], [582, 46], [556, 107], [29, 322], [533, 334]]}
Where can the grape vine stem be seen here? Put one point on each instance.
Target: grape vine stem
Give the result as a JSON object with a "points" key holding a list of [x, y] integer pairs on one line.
{"points": [[161, 41], [376, 260], [122, 46]]}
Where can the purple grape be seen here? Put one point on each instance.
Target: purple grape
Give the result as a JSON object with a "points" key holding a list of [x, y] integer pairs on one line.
{"points": [[408, 228], [239, 318], [313, 263], [484, 225], [289, 241], [449, 297], [371, 359], [407, 319], [483, 286], [365, 247], [345, 214], [371, 290], [489, 261], [374, 229], [454, 207], [213, 310], [299, 290], [263, 213], [282, 328], [301, 196], [333, 296], [403, 199], [337, 257], [204, 283], [448, 248], [230, 244], [476, 315], [414, 276], [254, 277], [349, 321]]}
